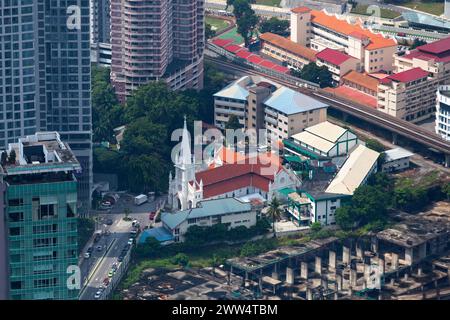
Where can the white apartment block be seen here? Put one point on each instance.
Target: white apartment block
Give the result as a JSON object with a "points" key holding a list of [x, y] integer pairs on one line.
{"points": [[443, 112]]}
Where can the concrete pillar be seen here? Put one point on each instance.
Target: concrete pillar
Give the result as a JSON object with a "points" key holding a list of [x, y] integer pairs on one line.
{"points": [[309, 295], [324, 283], [366, 271], [346, 255], [405, 277], [275, 271], [447, 160], [381, 266], [394, 262], [392, 281], [350, 291], [394, 138], [409, 256], [318, 265], [419, 271], [353, 277], [339, 282], [289, 275], [448, 274], [331, 261], [336, 296], [359, 251], [304, 270]]}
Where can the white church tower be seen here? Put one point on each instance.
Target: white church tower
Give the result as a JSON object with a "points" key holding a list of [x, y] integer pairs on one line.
{"points": [[183, 189]]}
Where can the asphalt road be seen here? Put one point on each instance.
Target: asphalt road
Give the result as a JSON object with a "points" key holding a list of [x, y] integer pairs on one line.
{"points": [[113, 244]]}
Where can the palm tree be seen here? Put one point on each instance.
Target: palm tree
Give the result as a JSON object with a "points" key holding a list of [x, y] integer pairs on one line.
{"points": [[274, 212], [127, 212]]}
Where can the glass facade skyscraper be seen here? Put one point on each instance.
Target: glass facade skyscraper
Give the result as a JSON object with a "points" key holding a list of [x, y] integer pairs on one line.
{"points": [[38, 233], [45, 76]]}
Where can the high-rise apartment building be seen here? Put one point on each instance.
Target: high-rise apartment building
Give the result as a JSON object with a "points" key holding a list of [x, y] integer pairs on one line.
{"points": [[45, 76], [443, 112], [38, 214], [156, 40], [100, 21]]}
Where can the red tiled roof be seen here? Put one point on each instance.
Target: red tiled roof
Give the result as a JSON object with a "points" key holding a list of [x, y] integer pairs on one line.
{"points": [[406, 76], [236, 183], [281, 69], [233, 48], [254, 59], [300, 10], [362, 79], [244, 54], [332, 56], [354, 95], [222, 42], [267, 64], [437, 47]]}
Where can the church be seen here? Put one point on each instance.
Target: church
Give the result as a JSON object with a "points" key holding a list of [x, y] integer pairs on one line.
{"points": [[227, 175]]}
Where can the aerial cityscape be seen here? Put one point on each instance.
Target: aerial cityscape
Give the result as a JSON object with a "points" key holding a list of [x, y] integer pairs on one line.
{"points": [[232, 150]]}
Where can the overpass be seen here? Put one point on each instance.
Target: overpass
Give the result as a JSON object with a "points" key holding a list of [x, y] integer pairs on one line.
{"points": [[397, 126]]}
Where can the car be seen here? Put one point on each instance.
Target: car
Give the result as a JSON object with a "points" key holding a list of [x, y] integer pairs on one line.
{"points": [[99, 248], [98, 294], [107, 233], [126, 247], [110, 273], [152, 215], [87, 255], [106, 281], [134, 222], [130, 241], [120, 258], [90, 250], [114, 267], [109, 222]]}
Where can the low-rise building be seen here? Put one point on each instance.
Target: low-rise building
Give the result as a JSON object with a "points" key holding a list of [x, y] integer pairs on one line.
{"points": [[284, 50], [409, 95], [322, 142], [362, 82], [395, 160], [443, 112], [229, 211], [288, 112], [261, 104], [337, 62]]}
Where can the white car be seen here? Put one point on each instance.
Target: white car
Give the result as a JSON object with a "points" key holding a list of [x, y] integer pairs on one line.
{"points": [[98, 294], [130, 241], [87, 255]]}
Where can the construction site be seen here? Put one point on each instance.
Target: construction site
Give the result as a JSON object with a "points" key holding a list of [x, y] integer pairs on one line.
{"points": [[410, 260]]}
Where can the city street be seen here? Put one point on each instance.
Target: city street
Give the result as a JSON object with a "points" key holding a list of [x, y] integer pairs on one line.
{"points": [[99, 264]]}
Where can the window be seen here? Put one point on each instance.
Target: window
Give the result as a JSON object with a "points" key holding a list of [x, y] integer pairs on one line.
{"points": [[16, 216], [15, 202], [16, 285], [15, 231]]}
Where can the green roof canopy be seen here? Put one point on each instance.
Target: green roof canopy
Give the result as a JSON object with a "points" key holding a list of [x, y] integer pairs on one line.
{"points": [[286, 191]]}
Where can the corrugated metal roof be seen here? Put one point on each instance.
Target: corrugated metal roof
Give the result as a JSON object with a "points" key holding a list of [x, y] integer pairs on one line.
{"points": [[206, 209], [235, 90], [290, 102], [327, 130], [314, 141], [397, 153], [354, 171]]}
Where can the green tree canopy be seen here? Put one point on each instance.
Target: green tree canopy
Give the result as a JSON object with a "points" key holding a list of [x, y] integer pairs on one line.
{"points": [[313, 73], [275, 25]]}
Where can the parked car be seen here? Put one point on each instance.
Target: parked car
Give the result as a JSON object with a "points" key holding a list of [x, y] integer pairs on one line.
{"points": [[152, 215], [114, 267], [130, 241], [110, 273], [90, 250], [87, 255], [99, 248], [109, 222], [106, 281], [98, 294], [120, 258]]}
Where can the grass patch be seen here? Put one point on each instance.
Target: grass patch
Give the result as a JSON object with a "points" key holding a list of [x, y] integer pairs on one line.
{"points": [[233, 34], [436, 8], [385, 13], [272, 3], [216, 23]]}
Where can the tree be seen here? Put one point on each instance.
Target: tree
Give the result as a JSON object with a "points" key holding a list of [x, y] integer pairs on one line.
{"points": [[313, 73], [209, 32], [274, 212], [246, 26], [12, 157], [316, 227], [446, 190], [275, 25], [180, 259], [127, 212], [375, 145], [344, 218], [233, 123], [417, 43]]}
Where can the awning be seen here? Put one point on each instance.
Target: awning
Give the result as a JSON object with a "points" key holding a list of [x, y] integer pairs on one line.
{"points": [[286, 191], [293, 159]]}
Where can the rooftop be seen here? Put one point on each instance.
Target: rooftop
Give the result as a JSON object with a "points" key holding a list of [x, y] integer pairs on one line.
{"points": [[206, 208], [327, 131], [301, 10], [289, 45], [332, 56], [438, 51], [40, 153], [364, 80], [239, 89], [291, 102], [406, 76], [396, 154], [355, 169], [376, 41]]}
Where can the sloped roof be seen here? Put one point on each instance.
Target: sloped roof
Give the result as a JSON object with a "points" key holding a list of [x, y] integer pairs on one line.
{"points": [[355, 169], [406, 76], [396, 154], [332, 56], [362, 79], [290, 102], [327, 130], [289, 45], [235, 90], [206, 208], [377, 41]]}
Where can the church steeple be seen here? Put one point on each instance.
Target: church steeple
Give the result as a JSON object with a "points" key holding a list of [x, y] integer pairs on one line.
{"points": [[185, 157]]}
